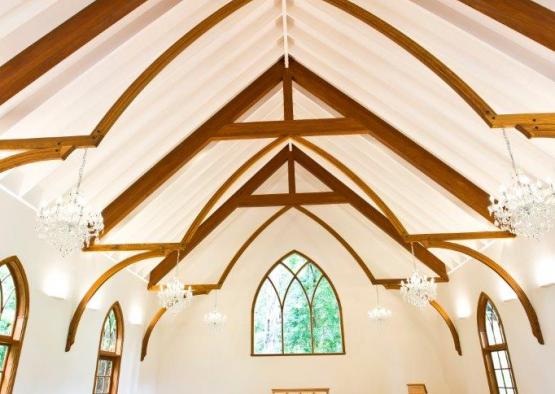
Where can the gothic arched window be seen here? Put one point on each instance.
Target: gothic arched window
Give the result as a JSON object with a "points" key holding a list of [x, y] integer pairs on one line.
{"points": [[109, 353], [296, 311], [14, 310], [499, 369]]}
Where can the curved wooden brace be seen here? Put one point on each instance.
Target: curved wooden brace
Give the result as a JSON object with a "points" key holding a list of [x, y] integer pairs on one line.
{"points": [[523, 298], [477, 103], [226, 185], [148, 332], [443, 313], [358, 181], [74, 324]]}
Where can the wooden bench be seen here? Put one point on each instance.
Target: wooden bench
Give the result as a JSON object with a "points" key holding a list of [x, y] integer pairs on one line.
{"points": [[417, 388], [301, 391]]}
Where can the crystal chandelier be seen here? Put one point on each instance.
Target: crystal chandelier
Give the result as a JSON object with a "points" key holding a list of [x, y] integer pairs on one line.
{"points": [[214, 318], [68, 223], [524, 207], [418, 289], [379, 313], [172, 295]]}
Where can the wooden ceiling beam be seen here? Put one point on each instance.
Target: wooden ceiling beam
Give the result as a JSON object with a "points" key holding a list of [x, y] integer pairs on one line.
{"points": [[285, 199], [288, 112], [48, 142], [472, 98], [458, 236], [435, 169], [156, 176], [367, 210], [38, 58], [538, 131], [290, 128], [524, 16]]}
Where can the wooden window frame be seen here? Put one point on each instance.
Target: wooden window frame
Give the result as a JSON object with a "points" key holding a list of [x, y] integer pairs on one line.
{"points": [[114, 357], [324, 275], [15, 341], [487, 349]]}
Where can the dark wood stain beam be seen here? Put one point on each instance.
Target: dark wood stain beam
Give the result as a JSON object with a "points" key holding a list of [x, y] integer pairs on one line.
{"points": [[524, 16], [35, 60]]}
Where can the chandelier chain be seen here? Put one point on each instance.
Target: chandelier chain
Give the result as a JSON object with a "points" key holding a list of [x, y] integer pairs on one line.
{"points": [[510, 150]]}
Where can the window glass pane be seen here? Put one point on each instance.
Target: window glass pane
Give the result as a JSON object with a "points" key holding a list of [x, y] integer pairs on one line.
{"points": [[309, 276], [296, 321], [493, 326], [294, 261], [109, 333], [8, 301], [267, 321], [503, 359], [4, 349], [327, 320], [281, 278]]}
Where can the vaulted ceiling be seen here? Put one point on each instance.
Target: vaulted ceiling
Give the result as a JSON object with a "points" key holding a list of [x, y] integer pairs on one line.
{"points": [[511, 72]]}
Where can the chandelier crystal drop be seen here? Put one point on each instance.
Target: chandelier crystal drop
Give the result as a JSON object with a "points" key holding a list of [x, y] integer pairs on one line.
{"points": [[68, 223], [173, 296], [418, 289], [214, 318], [379, 313], [525, 207]]}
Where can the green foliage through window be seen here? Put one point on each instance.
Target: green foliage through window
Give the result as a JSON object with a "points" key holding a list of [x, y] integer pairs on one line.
{"points": [[296, 311]]}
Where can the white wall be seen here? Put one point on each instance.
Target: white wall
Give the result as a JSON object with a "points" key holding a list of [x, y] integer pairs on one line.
{"points": [[383, 360], [44, 365]]}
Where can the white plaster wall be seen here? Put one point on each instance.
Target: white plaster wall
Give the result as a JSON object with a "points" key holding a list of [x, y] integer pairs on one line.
{"points": [[383, 360], [44, 365], [532, 264]]}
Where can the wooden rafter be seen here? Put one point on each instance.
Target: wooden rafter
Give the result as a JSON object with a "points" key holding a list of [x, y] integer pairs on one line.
{"points": [[148, 332], [290, 128], [513, 284], [525, 16], [441, 173], [287, 95], [445, 316], [78, 313], [47, 52], [472, 98], [127, 201]]}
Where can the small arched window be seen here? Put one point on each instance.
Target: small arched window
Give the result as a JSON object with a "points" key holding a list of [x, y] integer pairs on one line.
{"points": [[499, 369], [296, 311], [109, 353], [14, 309]]}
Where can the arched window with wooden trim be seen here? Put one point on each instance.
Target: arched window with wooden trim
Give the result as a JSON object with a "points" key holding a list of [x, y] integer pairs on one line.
{"points": [[14, 310], [498, 364], [296, 311], [109, 352]]}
